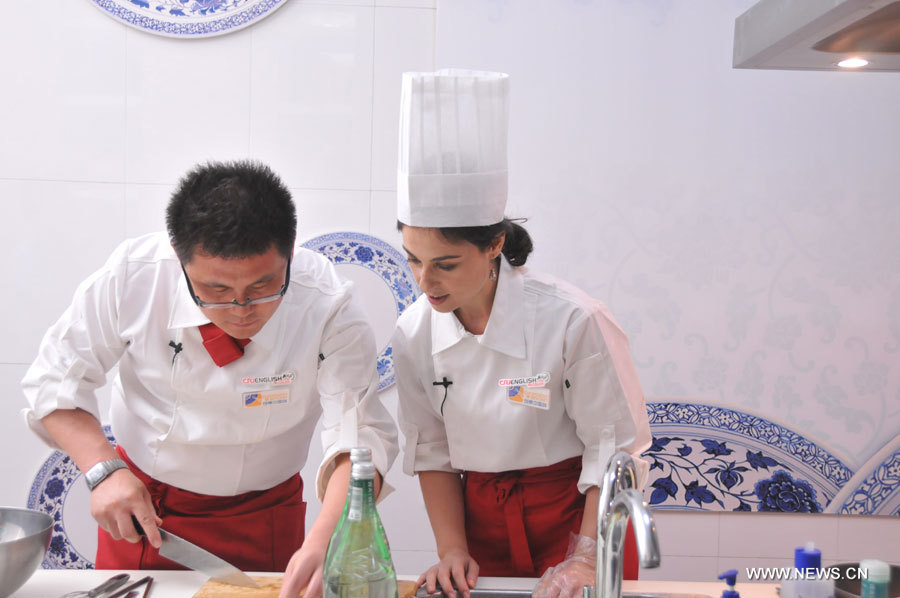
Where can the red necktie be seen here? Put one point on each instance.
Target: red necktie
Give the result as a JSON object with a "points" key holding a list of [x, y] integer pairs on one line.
{"points": [[221, 347]]}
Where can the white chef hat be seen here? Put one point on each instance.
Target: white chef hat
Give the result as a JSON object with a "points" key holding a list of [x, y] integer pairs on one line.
{"points": [[452, 156]]}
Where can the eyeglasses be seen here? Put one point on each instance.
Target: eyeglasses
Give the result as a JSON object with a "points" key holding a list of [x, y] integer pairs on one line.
{"points": [[234, 302]]}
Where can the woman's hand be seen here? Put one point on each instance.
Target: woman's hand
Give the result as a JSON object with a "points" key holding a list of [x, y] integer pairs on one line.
{"points": [[457, 569], [567, 579], [304, 571]]}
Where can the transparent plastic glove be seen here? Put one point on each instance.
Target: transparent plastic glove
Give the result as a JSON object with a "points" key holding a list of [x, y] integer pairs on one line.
{"points": [[567, 579]]}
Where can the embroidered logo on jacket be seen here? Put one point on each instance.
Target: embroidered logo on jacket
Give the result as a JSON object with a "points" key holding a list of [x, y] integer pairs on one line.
{"points": [[537, 380]]}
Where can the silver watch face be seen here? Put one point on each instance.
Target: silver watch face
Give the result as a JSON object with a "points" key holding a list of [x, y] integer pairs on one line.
{"points": [[94, 475], [101, 471]]}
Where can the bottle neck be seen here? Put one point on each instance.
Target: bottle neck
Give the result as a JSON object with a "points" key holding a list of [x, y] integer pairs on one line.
{"points": [[360, 498]]}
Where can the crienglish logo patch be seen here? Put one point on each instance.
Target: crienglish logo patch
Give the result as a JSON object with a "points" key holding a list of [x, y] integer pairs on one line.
{"points": [[274, 380], [537, 380]]}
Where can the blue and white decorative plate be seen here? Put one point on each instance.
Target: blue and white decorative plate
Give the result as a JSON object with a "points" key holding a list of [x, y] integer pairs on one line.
{"points": [[875, 488], [188, 18], [382, 280], [57, 491], [713, 458]]}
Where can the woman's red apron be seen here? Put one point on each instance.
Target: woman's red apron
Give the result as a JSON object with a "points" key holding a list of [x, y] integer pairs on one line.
{"points": [[518, 522], [254, 531]]}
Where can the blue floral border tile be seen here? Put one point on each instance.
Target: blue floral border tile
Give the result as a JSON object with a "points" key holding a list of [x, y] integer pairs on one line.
{"points": [[714, 458], [384, 260], [875, 489], [188, 18], [48, 494]]}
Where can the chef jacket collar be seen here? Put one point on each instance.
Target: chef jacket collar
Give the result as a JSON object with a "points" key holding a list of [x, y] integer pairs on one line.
{"points": [[505, 330], [185, 314]]}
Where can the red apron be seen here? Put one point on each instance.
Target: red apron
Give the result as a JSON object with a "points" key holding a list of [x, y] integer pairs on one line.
{"points": [[518, 522], [254, 531]]}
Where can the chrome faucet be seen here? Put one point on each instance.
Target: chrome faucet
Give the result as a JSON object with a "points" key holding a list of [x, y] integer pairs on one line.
{"points": [[619, 500]]}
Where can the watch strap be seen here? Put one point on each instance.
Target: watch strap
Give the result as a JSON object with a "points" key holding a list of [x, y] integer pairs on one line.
{"points": [[101, 471]]}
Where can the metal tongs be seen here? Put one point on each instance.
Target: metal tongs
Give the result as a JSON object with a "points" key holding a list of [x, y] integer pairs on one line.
{"points": [[110, 585]]}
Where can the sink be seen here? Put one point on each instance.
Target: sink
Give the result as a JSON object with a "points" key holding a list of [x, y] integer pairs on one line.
{"points": [[494, 593]]}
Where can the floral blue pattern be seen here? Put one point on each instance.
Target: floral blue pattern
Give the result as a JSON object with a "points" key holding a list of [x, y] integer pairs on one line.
{"points": [[875, 488], [783, 493], [48, 495], [188, 18], [707, 457], [385, 261]]}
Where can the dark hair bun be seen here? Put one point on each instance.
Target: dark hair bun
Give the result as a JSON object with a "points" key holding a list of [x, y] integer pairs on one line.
{"points": [[518, 243]]}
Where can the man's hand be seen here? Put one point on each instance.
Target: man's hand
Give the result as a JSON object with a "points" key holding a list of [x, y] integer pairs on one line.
{"points": [[304, 571], [116, 499], [456, 569]]}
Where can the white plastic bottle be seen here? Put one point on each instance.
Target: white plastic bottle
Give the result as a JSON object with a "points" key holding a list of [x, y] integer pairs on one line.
{"points": [[808, 579]]}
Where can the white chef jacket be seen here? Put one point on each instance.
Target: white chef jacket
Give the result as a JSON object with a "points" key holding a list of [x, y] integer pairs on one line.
{"points": [[543, 332], [191, 424]]}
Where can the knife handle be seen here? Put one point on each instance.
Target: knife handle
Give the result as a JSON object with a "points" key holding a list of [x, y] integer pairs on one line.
{"points": [[137, 526]]}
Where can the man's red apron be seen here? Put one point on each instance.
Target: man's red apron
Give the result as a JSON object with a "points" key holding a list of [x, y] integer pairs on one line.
{"points": [[518, 522], [254, 531]]}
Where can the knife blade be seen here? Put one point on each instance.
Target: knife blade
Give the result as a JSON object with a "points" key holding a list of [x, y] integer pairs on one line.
{"points": [[176, 548]]}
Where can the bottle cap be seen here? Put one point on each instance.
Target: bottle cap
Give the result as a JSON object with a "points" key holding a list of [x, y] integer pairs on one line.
{"points": [[877, 571], [360, 454], [807, 557]]}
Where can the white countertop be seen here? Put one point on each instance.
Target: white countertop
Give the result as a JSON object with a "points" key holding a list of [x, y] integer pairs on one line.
{"points": [[53, 583]]}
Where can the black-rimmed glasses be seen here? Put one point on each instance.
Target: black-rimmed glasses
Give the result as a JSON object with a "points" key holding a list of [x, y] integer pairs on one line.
{"points": [[234, 302]]}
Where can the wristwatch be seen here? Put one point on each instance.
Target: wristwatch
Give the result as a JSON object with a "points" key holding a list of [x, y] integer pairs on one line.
{"points": [[101, 471]]}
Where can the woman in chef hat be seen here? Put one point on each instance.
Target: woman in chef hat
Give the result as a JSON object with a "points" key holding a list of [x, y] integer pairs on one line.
{"points": [[514, 387]]}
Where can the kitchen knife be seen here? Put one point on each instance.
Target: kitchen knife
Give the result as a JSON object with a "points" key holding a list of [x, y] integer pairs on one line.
{"points": [[193, 557]]}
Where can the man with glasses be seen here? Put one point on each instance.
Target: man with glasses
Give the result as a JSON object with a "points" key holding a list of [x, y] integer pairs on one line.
{"points": [[230, 346]]}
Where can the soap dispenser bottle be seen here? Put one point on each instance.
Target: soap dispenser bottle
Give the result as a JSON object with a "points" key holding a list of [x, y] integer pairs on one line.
{"points": [[730, 578], [808, 580]]}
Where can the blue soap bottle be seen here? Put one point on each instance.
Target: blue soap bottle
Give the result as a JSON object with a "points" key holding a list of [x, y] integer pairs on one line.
{"points": [[730, 578]]}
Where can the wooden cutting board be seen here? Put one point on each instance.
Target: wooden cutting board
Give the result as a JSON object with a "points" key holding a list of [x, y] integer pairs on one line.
{"points": [[270, 585]]}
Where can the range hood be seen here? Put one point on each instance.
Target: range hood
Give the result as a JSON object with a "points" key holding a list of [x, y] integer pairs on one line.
{"points": [[817, 34]]}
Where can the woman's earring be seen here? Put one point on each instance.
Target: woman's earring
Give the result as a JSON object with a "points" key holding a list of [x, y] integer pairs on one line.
{"points": [[493, 275]]}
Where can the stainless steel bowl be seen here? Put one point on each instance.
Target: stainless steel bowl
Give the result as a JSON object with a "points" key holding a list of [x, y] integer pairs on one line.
{"points": [[24, 540]]}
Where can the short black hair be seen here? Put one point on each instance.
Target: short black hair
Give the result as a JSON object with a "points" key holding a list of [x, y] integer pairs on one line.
{"points": [[232, 210], [516, 248]]}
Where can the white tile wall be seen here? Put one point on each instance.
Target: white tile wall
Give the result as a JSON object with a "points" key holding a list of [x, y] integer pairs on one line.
{"points": [[28, 451], [311, 114], [682, 568], [775, 534], [861, 537], [145, 208], [62, 110], [56, 233], [187, 101], [383, 219], [689, 534], [321, 211], [404, 41]]}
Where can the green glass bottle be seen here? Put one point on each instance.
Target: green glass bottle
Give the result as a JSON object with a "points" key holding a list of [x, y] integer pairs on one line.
{"points": [[358, 562]]}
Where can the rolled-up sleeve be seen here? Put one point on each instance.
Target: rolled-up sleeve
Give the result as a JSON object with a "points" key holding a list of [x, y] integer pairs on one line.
{"points": [[78, 350], [352, 412], [425, 445], [603, 395]]}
